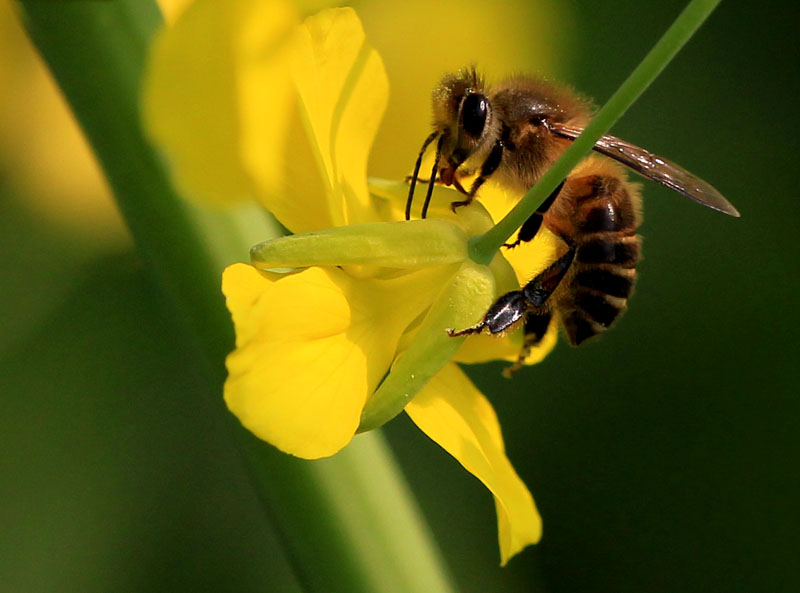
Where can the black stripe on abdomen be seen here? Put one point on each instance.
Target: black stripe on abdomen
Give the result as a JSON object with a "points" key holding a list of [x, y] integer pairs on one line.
{"points": [[604, 215], [605, 281], [604, 250], [597, 307], [578, 328]]}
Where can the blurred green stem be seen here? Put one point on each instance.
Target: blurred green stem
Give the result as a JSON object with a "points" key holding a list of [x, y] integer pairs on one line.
{"points": [[483, 248], [349, 522]]}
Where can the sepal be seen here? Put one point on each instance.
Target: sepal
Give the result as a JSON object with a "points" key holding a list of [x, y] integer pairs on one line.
{"points": [[460, 304], [410, 244]]}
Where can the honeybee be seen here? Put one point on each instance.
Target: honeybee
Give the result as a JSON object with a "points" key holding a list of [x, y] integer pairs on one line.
{"points": [[513, 133]]}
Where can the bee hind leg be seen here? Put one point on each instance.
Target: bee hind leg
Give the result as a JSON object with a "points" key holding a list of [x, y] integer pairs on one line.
{"points": [[512, 306], [530, 302], [537, 293], [543, 285], [504, 313]]}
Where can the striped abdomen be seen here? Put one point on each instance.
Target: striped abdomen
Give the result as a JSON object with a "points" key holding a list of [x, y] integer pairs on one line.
{"points": [[603, 214]]}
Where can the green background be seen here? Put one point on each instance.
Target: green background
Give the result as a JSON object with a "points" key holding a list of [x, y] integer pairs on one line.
{"points": [[663, 457]]}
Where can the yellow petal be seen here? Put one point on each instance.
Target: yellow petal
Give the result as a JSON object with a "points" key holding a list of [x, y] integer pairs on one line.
{"points": [[314, 175], [192, 90], [486, 348], [452, 412], [311, 347]]}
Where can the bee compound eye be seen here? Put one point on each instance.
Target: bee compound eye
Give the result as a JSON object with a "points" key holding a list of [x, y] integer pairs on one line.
{"points": [[473, 114]]}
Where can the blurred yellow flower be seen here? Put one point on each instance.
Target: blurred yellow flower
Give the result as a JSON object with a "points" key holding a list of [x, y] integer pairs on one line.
{"points": [[172, 9], [43, 153], [249, 103]]}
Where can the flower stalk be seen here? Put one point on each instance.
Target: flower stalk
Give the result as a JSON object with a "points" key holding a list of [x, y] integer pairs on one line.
{"points": [[348, 523]]}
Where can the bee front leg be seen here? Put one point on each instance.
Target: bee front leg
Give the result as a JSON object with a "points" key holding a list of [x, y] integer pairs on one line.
{"points": [[459, 187], [489, 166], [413, 178]]}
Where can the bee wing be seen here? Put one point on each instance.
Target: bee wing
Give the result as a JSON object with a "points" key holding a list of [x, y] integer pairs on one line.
{"points": [[653, 167]]}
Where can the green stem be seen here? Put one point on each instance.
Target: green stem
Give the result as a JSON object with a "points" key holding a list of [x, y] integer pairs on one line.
{"points": [[348, 523], [483, 248]]}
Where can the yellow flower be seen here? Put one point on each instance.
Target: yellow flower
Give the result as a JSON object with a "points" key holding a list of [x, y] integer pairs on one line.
{"points": [[247, 102]]}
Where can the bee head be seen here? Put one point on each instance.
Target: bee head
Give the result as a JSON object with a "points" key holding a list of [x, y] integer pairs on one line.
{"points": [[462, 114]]}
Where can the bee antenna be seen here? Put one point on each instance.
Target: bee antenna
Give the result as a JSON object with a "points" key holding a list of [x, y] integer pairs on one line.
{"points": [[414, 176], [433, 176]]}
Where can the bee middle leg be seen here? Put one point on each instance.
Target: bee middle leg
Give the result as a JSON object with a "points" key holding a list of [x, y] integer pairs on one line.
{"points": [[531, 227], [535, 328]]}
